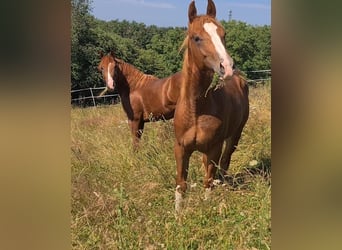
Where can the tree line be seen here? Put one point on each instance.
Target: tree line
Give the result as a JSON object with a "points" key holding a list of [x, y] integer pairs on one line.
{"points": [[154, 50]]}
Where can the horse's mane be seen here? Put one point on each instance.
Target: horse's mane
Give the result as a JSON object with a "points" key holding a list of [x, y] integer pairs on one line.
{"points": [[184, 45], [135, 77], [183, 48]]}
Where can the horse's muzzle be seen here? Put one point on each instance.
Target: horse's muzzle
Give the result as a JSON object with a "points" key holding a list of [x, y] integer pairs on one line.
{"points": [[110, 84], [226, 71]]}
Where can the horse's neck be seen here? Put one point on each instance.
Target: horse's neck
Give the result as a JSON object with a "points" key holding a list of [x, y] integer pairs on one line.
{"points": [[132, 75], [173, 87], [196, 81]]}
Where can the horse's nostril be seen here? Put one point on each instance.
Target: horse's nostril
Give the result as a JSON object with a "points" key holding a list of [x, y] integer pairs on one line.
{"points": [[221, 69]]}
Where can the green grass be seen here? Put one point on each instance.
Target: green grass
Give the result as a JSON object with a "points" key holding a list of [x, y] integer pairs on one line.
{"points": [[122, 200]]}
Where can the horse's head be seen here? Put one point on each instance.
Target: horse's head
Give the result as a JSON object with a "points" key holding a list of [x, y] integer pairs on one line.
{"points": [[206, 41], [107, 68]]}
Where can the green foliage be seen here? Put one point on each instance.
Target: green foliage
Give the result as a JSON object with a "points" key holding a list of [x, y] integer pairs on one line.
{"points": [[249, 46], [149, 62], [167, 45], [83, 45], [154, 50]]}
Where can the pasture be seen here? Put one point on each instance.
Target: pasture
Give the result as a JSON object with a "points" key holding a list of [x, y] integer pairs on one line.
{"points": [[125, 200]]}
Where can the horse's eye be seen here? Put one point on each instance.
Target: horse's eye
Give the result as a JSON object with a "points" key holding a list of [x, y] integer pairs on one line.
{"points": [[197, 39]]}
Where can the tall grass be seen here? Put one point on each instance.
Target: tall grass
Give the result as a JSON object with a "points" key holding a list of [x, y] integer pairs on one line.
{"points": [[125, 200]]}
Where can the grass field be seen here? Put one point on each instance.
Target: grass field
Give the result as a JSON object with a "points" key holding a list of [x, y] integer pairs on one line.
{"points": [[122, 200]]}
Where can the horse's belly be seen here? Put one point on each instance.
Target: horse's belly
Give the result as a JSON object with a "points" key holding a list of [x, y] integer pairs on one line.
{"points": [[155, 115]]}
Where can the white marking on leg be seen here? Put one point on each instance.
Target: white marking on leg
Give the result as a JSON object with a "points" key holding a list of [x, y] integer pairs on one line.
{"points": [[178, 199], [227, 61], [110, 81], [217, 182], [207, 193]]}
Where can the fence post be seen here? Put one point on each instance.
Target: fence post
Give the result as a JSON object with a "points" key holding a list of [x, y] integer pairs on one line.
{"points": [[92, 96]]}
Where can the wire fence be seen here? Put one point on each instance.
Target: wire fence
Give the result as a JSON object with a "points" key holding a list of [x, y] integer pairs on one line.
{"points": [[264, 74], [91, 96]]}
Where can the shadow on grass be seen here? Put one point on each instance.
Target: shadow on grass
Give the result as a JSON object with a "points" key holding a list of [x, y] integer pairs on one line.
{"points": [[241, 180]]}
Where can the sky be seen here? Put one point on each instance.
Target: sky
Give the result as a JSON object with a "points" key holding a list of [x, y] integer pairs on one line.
{"points": [[174, 13]]}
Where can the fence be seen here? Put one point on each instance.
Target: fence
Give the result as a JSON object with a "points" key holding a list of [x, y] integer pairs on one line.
{"points": [[90, 96], [265, 74]]}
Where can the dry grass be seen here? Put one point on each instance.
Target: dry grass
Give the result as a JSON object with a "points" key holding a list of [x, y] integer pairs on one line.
{"points": [[122, 200]]}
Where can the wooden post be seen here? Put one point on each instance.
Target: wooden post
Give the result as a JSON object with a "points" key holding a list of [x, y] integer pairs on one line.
{"points": [[92, 96]]}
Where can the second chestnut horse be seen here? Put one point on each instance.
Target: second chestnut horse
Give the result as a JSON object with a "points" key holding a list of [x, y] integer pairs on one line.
{"points": [[144, 97]]}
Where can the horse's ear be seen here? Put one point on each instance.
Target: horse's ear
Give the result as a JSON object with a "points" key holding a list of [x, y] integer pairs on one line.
{"points": [[211, 9], [101, 53], [112, 53], [192, 12]]}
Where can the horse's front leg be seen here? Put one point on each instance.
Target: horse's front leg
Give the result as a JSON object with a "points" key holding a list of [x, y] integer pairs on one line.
{"points": [[137, 128], [182, 162]]}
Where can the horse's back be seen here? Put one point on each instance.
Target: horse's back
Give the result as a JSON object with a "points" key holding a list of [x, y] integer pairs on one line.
{"points": [[159, 97]]}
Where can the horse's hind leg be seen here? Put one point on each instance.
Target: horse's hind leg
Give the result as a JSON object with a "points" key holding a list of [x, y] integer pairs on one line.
{"points": [[210, 162], [227, 151], [140, 129]]}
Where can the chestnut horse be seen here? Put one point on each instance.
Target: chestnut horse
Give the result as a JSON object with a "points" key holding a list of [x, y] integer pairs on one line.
{"points": [[144, 97], [211, 121]]}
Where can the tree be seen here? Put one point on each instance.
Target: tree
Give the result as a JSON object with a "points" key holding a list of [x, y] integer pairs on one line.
{"points": [[153, 50], [87, 41], [167, 45], [249, 46], [150, 62]]}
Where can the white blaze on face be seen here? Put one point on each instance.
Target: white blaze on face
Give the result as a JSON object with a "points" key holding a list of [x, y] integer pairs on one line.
{"points": [[226, 61], [110, 81]]}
